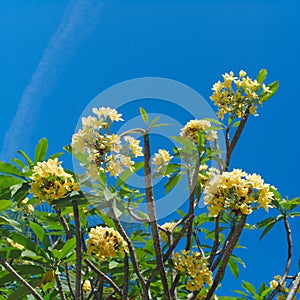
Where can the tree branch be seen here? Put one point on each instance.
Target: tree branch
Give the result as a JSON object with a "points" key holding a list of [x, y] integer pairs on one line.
{"points": [[295, 287], [104, 276], [230, 246], [289, 257], [131, 251], [78, 250], [20, 278], [60, 287], [152, 215], [216, 240], [126, 277]]}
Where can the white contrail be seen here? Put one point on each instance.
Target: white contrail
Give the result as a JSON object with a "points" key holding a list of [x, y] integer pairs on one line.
{"points": [[79, 19]]}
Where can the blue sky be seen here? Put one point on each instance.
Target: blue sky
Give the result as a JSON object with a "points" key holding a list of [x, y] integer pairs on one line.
{"points": [[56, 56]]}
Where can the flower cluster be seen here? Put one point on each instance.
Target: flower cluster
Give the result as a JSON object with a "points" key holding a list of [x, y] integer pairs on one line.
{"points": [[105, 243], [237, 192], [105, 151], [161, 159], [169, 227], [195, 266], [50, 181], [283, 289], [235, 95], [192, 128]]}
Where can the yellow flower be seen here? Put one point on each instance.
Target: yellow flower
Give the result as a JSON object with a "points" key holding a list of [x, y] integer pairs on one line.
{"points": [[192, 128], [169, 226], [237, 192], [161, 159], [235, 95], [50, 181], [195, 266], [86, 286], [105, 243]]}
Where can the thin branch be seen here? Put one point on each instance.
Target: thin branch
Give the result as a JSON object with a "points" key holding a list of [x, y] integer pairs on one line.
{"points": [[20, 278], [152, 215], [295, 287], [131, 251], [64, 224], [126, 277], [171, 248], [230, 246], [78, 251], [199, 244], [289, 257], [221, 253], [173, 290], [60, 287], [104, 276], [216, 240], [230, 147], [69, 281]]}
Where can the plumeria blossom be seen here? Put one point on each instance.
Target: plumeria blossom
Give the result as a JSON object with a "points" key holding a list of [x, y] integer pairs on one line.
{"points": [[237, 192], [169, 226], [195, 266], [192, 128], [50, 181], [161, 159], [106, 151], [105, 243], [235, 95]]}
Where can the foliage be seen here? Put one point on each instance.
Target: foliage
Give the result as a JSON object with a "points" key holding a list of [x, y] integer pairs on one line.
{"points": [[51, 247]]}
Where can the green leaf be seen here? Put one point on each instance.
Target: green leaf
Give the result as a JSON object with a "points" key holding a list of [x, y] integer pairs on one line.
{"points": [[67, 249], [184, 142], [265, 222], [40, 233], [249, 287], [233, 267], [19, 162], [56, 155], [172, 182], [153, 122], [81, 157], [262, 74], [106, 219], [29, 161], [273, 89], [215, 121], [144, 115], [22, 291], [8, 181], [127, 173], [236, 124], [267, 229], [5, 204], [241, 293], [41, 150], [13, 223], [8, 168]]}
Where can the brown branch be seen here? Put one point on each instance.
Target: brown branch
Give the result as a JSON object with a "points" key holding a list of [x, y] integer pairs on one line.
{"points": [[230, 246], [199, 244], [152, 215], [104, 276], [222, 251], [295, 287], [20, 278], [126, 277], [289, 257], [216, 240], [131, 251], [60, 287], [64, 224], [171, 248], [69, 281], [231, 145], [78, 251]]}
